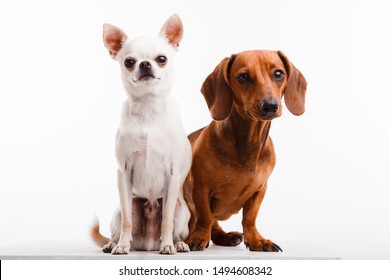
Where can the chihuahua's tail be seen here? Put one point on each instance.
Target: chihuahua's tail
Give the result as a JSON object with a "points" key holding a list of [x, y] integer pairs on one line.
{"points": [[95, 235]]}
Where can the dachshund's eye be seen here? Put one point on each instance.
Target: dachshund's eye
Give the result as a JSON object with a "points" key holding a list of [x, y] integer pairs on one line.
{"points": [[278, 75], [161, 59], [244, 78], [129, 62]]}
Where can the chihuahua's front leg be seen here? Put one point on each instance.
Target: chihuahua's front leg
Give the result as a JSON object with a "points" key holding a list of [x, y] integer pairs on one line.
{"points": [[169, 204], [125, 188]]}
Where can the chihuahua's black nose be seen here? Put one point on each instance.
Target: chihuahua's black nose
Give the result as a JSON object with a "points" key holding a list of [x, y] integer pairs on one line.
{"points": [[145, 65], [269, 106]]}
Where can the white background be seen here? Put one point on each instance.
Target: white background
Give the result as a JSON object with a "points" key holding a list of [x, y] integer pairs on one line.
{"points": [[61, 95]]}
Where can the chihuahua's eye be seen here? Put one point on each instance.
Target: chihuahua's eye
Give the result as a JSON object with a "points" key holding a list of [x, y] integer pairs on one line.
{"points": [[244, 78], [161, 59], [129, 62], [278, 75]]}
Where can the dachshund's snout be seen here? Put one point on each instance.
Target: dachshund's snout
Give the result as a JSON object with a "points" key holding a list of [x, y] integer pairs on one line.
{"points": [[269, 107]]}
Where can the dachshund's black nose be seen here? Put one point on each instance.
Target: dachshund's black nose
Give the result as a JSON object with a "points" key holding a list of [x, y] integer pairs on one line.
{"points": [[269, 107]]}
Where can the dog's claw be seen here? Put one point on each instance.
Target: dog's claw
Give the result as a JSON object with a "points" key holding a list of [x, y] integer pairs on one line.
{"points": [[276, 248], [263, 245]]}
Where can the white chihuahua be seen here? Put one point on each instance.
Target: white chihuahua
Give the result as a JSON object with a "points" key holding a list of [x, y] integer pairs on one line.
{"points": [[152, 149]]}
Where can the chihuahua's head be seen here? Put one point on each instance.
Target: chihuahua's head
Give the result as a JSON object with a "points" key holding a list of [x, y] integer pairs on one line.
{"points": [[146, 62]]}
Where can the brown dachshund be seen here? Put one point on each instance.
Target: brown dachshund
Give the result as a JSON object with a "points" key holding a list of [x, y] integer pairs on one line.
{"points": [[233, 156]]}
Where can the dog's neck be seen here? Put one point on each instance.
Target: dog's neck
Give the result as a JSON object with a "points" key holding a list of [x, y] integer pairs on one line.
{"points": [[147, 106], [248, 136]]}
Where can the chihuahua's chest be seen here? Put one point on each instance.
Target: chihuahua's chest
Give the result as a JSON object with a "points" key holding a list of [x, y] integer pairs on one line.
{"points": [[142, 147]]}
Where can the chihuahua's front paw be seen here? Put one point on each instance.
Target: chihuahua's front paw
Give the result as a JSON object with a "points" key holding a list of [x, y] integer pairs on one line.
{"points": [[108, 247], [182, 247], [121, 249], [168, 249]]}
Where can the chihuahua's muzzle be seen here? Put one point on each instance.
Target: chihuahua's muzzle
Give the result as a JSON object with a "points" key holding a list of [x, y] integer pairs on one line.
{"points": [[145, 71]]}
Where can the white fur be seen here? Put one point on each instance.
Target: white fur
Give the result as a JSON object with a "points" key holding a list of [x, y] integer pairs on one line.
{"points": [[152, 149]]}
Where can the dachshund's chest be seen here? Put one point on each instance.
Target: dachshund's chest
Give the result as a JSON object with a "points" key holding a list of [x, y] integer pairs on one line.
{"points": [[234, 179], [229, 199]]}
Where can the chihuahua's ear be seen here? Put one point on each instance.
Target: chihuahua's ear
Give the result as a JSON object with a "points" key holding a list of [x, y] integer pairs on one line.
{"points": [[217, 91], [295, 91], [173, 30], [113, 38]]}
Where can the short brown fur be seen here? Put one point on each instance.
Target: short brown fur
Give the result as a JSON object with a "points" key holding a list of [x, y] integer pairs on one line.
{"points": [[233, 156]]}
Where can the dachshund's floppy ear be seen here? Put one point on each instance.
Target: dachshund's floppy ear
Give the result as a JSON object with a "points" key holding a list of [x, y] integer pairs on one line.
{"points": [[217, 92], [295, 91]]}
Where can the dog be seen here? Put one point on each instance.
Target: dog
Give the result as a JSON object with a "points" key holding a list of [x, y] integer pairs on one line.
{"points": [[152, 149], [233, 156]]}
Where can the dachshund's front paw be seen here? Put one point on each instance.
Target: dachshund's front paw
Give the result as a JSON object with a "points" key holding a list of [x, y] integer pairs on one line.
{"points": [[198, 244], [264, 245]]}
